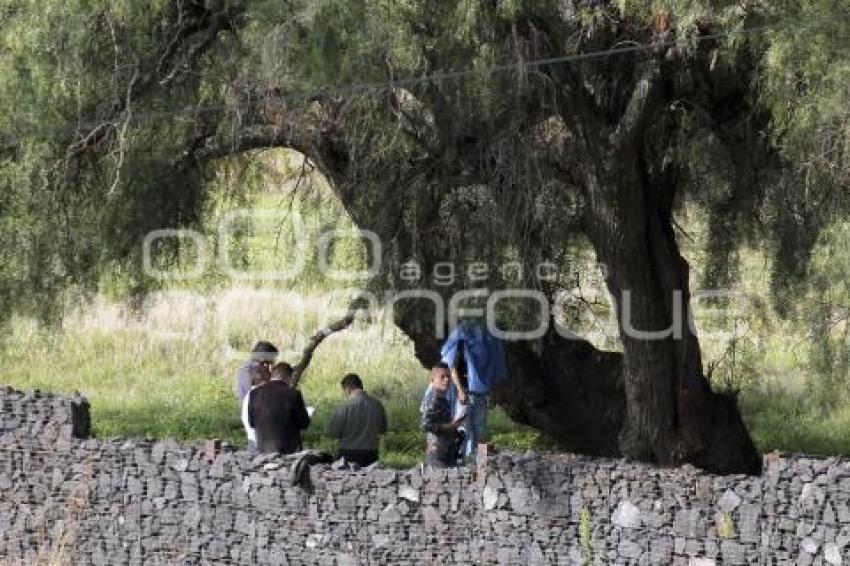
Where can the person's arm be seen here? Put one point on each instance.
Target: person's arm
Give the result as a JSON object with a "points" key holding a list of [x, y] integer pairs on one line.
{"points": [[462, 397], [451, 356], [382, 425], [450, 426], [335, 426], [301, 418]]}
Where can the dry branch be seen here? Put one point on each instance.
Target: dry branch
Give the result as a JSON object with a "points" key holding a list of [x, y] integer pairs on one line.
{"points": [[355, 305]]}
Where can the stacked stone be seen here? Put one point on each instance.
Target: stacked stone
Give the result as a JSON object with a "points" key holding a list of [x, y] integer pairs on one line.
{"points": [[43, 419], [806, 510], [107, 502], [628, 513], [134, 501]]}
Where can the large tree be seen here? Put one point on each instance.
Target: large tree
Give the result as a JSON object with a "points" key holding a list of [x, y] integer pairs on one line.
{"points": [[471, 132]]}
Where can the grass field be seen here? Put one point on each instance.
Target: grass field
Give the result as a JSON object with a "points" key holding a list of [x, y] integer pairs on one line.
{"points": [[144, 380]]}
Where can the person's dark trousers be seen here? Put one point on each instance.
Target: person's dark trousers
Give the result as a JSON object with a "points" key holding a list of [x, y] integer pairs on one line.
{"points": [[361, 457], [435, 460]]}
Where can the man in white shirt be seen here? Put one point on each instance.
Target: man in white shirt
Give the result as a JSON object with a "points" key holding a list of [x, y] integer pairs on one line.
{"points": [[260, 375]]}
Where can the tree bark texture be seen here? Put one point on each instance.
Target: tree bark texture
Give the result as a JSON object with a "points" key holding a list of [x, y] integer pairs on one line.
{"points": [[672, 416]]}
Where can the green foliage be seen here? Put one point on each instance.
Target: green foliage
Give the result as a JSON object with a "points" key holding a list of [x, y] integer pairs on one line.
{"points": [[585, 536], [725, 525], [110, 111], [806, 74], [825, 310], [73, 66]]}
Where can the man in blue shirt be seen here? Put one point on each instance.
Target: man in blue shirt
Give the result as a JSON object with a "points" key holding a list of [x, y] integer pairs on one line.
{"points": [[477, 362]]}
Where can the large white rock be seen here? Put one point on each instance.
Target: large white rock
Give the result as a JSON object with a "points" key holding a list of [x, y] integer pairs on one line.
{"points": [[626, 515], [409, 493], [389, 515], [832, 554], [809, 545], [491, 497], [729, 501], [811, 495]]}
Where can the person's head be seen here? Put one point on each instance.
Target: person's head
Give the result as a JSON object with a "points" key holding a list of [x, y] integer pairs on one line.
{"points": [[259, 375], [265, 353], [282, 371], [351, 383], [440, 377]]}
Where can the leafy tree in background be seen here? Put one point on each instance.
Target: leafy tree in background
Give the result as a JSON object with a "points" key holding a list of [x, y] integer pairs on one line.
{"points": [[486, 142]]}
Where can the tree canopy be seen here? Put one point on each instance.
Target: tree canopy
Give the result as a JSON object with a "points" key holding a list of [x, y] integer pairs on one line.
{"points": [[474, 131]]}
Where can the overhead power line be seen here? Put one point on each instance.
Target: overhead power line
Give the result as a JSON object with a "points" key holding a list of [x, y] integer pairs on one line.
{"points": [[359, 88]]}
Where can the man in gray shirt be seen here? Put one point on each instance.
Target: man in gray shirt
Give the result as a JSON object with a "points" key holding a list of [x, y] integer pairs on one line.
{"points": [[358, 423]]}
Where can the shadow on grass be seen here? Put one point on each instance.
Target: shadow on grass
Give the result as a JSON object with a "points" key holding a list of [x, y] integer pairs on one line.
{"points": [[401, 447], [164, 420]]}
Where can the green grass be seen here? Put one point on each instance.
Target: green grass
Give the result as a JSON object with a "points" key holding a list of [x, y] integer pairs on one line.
{"points": [[144, 384], [785, 422], [142, 381]]}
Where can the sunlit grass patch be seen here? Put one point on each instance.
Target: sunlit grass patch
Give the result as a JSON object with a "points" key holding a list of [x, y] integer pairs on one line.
{"points": [[147, 376]]}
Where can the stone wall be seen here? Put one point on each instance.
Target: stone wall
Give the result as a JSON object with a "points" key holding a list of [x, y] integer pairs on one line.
{"points": [[115, 502], [49, 420]]}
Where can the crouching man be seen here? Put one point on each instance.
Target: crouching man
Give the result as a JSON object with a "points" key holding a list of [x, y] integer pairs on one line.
{"points": [[358, 423], [437, 421]]}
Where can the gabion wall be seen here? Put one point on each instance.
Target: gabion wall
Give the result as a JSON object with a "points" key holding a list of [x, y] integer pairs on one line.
{"points": [[71, 500]]}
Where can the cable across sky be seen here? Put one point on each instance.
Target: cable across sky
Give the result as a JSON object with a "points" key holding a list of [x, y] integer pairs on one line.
{"points": [[406, 82]]}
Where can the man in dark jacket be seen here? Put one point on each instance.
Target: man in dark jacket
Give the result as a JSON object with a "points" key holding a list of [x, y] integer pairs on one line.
{"points": [[277, 413]]}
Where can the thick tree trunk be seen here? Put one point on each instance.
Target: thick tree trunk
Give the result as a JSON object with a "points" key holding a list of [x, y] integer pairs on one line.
{"points": [[571, 391], [652, 403], [672, 416]]}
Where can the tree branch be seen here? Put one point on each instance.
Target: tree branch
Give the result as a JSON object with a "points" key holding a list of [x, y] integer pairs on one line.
{"points": [[196, 27], [269, 125], [307, 355], [258, 137], [642, 103]]}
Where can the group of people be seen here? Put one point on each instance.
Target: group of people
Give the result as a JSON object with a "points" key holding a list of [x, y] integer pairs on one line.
{"points": [[453, 409], [274, 412]]}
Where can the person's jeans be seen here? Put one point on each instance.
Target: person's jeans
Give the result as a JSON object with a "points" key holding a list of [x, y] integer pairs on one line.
{"points": [[476, 423]]}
